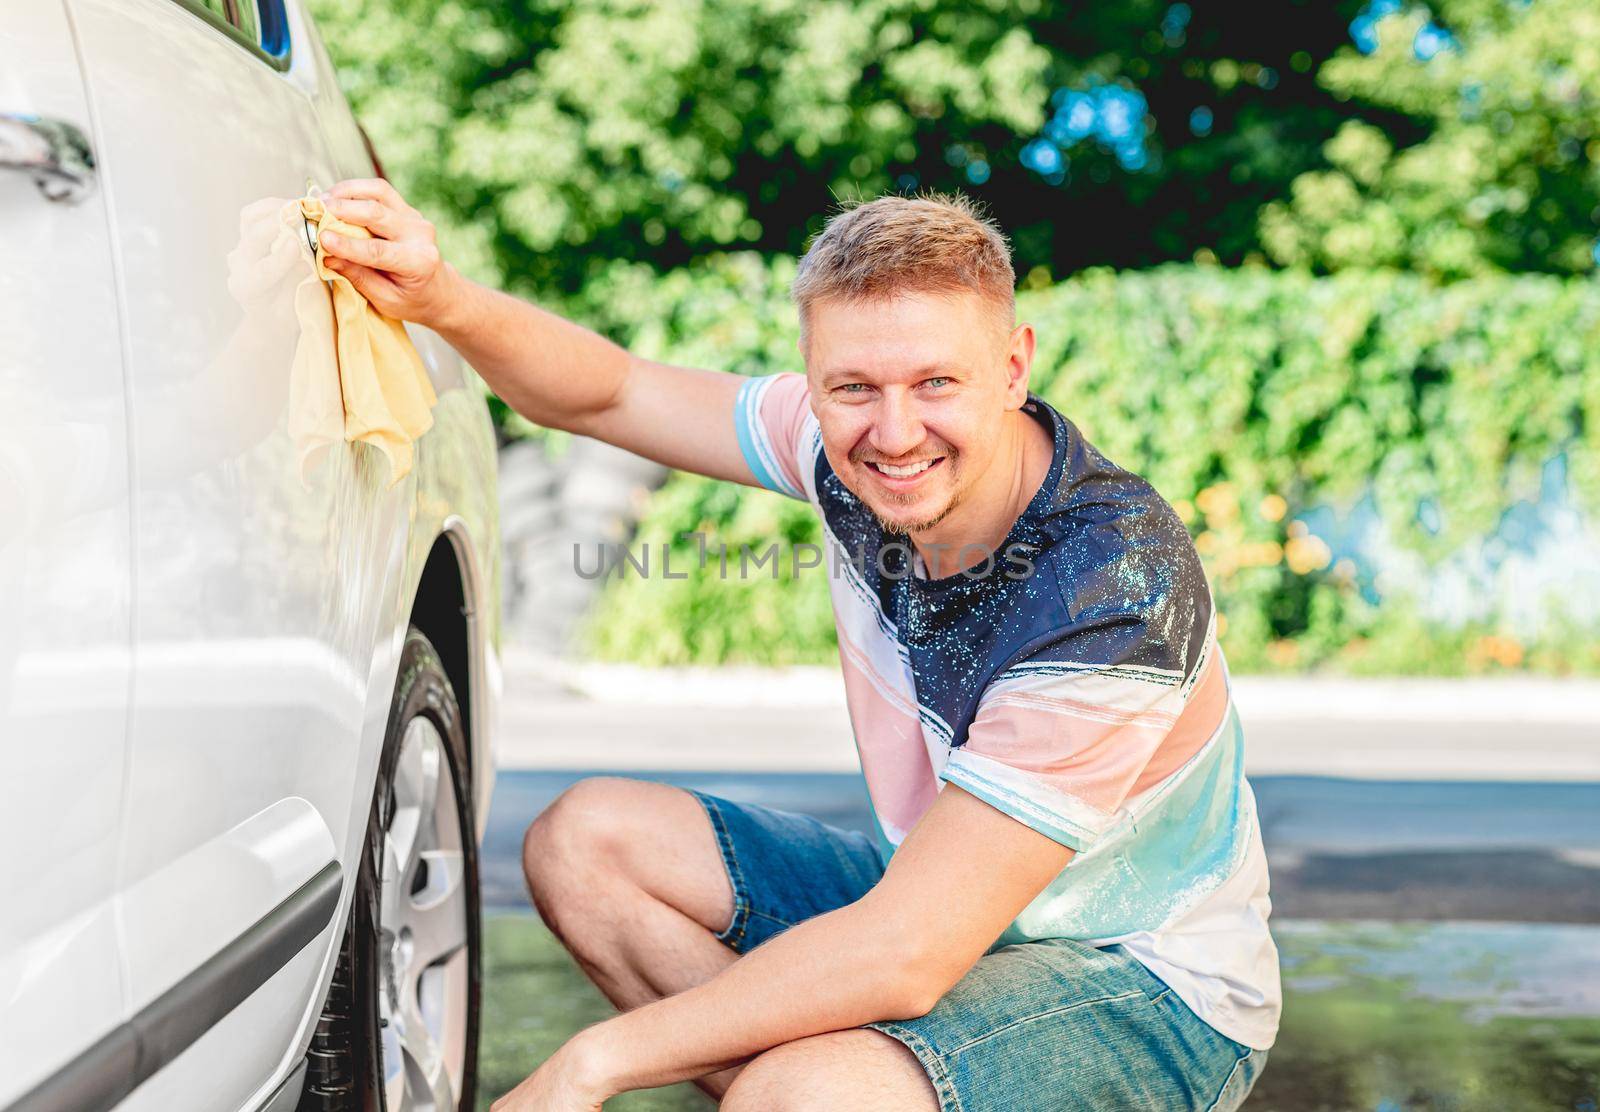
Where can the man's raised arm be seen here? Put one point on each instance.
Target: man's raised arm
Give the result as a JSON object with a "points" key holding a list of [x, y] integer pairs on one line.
{"points": [[550, 370]]}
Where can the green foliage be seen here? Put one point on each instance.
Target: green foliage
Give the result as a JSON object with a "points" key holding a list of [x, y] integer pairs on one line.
{"points": [[1246, 397], [650, 129], [549, 137], [736, 605], [592, 153], [1505, 177]]}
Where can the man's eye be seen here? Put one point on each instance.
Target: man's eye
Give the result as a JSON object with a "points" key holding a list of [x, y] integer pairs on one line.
{"points": [[938, 382], [854, 388]]}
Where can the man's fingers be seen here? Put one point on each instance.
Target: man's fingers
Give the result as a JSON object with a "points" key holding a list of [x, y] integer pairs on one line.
{"points": [[398, 257], [374, 216], [370, 284], [396, 268], [376, 189], [370, 189]]}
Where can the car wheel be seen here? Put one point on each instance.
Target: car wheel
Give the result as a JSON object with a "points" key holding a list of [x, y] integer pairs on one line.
{"points": [[399, 1032]]}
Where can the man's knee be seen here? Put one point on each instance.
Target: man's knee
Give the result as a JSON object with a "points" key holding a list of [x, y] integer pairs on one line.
{"points": [[577, 836], [858, 1068], [609, 841]]}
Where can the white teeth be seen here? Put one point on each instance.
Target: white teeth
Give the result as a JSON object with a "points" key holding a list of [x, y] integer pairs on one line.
{"points": [[904, 472]]}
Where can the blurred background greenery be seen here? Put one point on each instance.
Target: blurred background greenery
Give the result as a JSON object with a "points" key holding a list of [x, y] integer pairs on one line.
{"points": [[1322, 273]]}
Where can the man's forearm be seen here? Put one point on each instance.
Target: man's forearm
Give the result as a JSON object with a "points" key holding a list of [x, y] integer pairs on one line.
{"points": [[829, 973], [550, 370]]}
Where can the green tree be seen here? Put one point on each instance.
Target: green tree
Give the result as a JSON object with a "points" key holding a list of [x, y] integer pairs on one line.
{"points": [[656, 130], [1507, 175], [550, 136]]}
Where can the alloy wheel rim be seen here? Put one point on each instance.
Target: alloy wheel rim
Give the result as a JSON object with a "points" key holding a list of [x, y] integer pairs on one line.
{"points": [[422, 932]]}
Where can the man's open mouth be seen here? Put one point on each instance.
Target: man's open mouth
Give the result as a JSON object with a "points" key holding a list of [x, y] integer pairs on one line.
{"points": [[906, 471]]}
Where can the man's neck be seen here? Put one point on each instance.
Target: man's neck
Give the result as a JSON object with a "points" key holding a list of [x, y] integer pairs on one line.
{"points": [[974, 530]]}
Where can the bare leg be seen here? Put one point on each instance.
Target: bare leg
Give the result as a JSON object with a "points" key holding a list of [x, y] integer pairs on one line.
{"points": [[858, 1068], [627, 875]]}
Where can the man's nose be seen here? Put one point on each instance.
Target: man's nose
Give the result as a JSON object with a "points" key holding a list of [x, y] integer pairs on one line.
{"points": [[896, 429]]}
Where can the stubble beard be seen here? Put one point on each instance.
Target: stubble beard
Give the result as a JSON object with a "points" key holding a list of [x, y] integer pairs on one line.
{"points": [[901, 528], [905, 529]]}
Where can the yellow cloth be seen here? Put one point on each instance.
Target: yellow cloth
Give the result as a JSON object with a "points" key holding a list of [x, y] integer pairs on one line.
{"points": [[356, 374]]}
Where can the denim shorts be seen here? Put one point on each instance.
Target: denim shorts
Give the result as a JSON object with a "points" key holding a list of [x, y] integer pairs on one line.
{"points": [[1047, 1025]]}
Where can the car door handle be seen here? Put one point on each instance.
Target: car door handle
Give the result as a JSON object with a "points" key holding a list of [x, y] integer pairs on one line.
{"points": [[54, 153]]}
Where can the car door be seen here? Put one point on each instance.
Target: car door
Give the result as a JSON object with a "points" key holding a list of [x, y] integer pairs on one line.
{"points": [[258, 591], [64, 567]]}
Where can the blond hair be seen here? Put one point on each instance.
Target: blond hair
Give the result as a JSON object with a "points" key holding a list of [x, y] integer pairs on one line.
{"points": [[879, 249]]}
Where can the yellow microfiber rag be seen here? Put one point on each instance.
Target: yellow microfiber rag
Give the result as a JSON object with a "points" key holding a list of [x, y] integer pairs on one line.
{"points": [[356, 374]]}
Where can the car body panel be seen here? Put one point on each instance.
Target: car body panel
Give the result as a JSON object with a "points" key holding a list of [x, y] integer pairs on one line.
{"points": [[256, 600], [65, 607], [265, 609]]}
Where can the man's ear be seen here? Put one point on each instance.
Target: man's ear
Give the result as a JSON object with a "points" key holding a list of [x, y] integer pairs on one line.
{"points": [[1020, 347]]}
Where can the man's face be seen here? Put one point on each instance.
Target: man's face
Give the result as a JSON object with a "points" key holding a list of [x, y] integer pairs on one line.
{"points": [[911, 395]]}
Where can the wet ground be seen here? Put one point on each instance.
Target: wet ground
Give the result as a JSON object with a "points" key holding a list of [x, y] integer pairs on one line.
{"points": [[1440, 941]]}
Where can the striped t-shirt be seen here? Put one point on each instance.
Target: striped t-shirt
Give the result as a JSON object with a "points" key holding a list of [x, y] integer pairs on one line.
{"points": [[1077, 686]]}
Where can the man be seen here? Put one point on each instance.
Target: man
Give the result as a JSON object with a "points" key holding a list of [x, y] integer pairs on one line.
{"points": [[1065, 902]]}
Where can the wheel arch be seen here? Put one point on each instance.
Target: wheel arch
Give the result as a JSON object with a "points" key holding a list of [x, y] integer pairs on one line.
{"points": [[447, 608]]}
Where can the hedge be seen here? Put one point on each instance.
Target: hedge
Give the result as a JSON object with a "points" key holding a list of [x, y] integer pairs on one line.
{"points": [[1248, 397]]}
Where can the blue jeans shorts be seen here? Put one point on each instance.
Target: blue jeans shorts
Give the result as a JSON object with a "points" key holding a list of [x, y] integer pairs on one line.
{"points": [[1047, 1025]]}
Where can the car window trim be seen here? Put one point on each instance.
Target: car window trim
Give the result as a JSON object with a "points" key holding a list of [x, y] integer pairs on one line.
{"points": [[278, 62]]}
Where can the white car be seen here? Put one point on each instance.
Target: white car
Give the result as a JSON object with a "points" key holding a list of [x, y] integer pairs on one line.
{"points": [[245, 715]]}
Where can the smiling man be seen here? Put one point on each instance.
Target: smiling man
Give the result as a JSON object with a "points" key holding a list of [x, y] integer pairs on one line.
{"points": [[1065, 901]]}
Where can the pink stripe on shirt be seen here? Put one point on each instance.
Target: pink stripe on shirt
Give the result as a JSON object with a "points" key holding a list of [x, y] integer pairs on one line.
{"points": [[783, 412], [894, 758]]}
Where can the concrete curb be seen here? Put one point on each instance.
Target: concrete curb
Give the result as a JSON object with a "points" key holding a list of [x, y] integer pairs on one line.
{"points": [[566, 714]]}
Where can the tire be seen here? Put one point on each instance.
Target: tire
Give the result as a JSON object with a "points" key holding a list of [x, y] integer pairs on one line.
{"points": [[399, 1032]]}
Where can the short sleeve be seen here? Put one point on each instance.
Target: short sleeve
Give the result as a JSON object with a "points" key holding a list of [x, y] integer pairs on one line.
{"points": [[773, 421]]}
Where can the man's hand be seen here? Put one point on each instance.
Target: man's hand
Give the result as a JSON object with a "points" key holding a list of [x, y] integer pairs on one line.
{"points": [[566, 1082], [552, 371], [399, 269]]}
